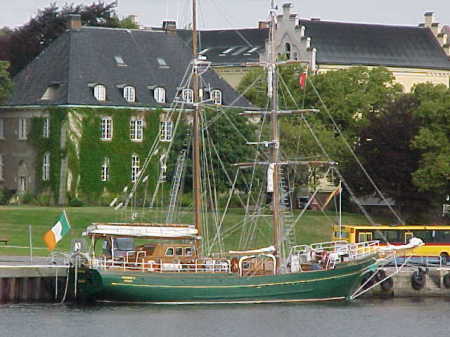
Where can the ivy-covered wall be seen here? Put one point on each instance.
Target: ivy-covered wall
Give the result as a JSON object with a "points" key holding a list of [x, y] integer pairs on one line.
{"points": [[86, 152]]}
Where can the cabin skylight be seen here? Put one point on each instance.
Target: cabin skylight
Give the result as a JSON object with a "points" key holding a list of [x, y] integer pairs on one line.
{"points": [[119, 61], [225, 52], [204, 51]]}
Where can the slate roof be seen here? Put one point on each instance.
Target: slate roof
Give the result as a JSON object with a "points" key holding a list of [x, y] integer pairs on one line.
{"points": [[338, 44], [79, 59]]}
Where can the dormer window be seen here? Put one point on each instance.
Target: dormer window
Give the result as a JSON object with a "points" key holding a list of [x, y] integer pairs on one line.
{"points": [[119, 61], [162, 63], [129, 93], [216, 96], [50, 93], [160, 95], [188, 96], [100, 92]]}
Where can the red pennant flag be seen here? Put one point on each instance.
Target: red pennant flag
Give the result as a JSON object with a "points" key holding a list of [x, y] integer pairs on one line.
{"points": [[302, 79]]}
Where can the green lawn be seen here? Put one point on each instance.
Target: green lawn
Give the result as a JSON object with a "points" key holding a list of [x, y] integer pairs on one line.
{"points": [[15, 221]]}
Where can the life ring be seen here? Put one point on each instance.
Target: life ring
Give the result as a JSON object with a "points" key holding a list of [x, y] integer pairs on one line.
{"points": [[234, 265], [418, 279], [446, 281]]}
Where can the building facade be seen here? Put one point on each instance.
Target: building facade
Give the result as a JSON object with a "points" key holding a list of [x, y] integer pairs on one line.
{"points": [[86, 111]]}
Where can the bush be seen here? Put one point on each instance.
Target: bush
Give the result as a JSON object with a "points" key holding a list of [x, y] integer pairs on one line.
{"points": [[5, 195], [75, 203], [27, 199]]}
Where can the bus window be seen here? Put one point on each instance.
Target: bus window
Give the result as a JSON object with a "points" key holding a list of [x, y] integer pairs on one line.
{"points": [[408, 236], [424, 235], [364, 236], [442, 237]]}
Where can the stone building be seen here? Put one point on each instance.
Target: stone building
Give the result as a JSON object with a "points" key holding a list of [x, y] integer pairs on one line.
{"points": [[85, 112]]}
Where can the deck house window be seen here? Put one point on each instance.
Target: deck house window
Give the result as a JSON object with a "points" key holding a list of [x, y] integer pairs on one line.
{"points": [[137, 129], [188, 96], [22, 129], [46, 128], [166, 131], [169, 252], [100, 92], [160, 95], [129, 93], [105, 170], [216, 96], [106, 128], [179, 251], [135, 167], [46, 167]]}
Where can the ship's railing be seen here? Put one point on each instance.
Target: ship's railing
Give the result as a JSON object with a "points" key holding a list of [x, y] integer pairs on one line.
{"points": [[327, 254], [196, 266]]}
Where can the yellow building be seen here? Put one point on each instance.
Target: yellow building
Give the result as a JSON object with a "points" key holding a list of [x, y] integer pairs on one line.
{"points": [[413, 54]]}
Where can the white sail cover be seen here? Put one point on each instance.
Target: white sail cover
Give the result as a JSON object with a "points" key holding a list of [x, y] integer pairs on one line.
{"points": [[265, 250], [413, 243], [142, 231]]}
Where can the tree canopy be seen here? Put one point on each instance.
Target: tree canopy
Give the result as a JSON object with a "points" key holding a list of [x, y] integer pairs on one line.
{"points": [[5, 82], [27, 41]]}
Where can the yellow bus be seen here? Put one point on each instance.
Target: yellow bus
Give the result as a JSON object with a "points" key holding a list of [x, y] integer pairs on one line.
{"points": [[435, 237]]}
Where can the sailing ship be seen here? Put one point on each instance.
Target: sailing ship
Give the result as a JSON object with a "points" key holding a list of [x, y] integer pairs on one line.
{"points": [[177, 270]]}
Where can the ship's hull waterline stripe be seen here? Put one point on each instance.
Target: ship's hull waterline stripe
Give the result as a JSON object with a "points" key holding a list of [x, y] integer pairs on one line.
{"points": [[237, 285], [341, 298]]}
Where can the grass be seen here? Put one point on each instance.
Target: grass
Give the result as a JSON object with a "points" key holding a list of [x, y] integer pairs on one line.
{"points": [[15, 221]]}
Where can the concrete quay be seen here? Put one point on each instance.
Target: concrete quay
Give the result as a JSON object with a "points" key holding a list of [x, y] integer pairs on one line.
{"points": [[39, 280]]}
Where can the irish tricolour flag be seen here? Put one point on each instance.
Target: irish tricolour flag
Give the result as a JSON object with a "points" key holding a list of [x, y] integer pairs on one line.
{"points": [[54, 235]]}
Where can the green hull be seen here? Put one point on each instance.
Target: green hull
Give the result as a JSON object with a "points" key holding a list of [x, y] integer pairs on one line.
{"points": [[139, 287]]}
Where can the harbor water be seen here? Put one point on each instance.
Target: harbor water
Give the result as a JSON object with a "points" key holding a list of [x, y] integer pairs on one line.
{"points": [[366, 317]]}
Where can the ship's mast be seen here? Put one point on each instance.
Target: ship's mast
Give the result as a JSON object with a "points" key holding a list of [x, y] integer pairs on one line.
{"points": [[196, 132], [273, 90]]}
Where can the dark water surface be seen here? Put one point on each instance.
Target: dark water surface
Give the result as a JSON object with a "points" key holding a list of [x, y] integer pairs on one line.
{"points": [[365, 318]]}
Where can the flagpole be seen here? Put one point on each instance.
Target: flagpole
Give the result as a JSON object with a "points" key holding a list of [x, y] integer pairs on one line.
{"points": [[31, 244], [340, 209]]}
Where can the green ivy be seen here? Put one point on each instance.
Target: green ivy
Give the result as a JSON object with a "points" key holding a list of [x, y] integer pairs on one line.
{"points": [[51, 145], [119, 151]]}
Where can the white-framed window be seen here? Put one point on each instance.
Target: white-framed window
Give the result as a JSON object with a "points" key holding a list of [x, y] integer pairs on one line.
{"points": [[135, 167], [100, 92], [106, 128], [46, 167], [160, 95], [1, 166], [105, 170], [22, 186], [2, 128], [22, 128], [129, 93], [216, 96], [188, 95], [137, 129], [166, 131], [46, 128]]}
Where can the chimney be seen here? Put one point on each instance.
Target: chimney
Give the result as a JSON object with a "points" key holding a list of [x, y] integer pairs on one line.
{"points": [[169, 26], [74, 22], [263, 25], [287, 10], [429, 19]]}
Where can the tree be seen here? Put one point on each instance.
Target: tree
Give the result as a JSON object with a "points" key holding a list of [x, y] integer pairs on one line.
{"points": [[29, 40], [222, 133], [433, 139], [5, 82], [385, 151]]}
